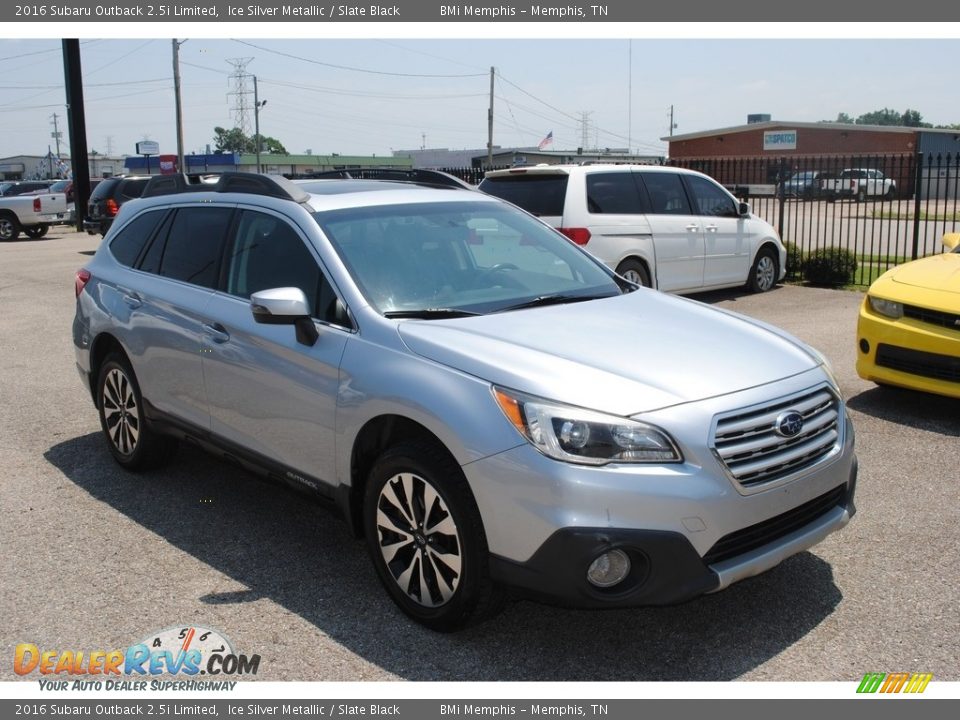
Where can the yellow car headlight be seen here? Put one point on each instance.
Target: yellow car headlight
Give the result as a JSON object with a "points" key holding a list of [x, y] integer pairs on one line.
{"points": [[887, 308]]}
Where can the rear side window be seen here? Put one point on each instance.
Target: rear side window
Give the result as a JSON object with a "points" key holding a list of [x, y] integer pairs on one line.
{"points": [[666, 193], [614, 193], [710, 199], [130, 189], [127, 245], [537, 194], [194, 245]]}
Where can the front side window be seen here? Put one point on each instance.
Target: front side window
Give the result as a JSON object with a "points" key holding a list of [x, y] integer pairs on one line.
{"points": [[194, 245], [268, 253], [710, 199], [666, 193]]}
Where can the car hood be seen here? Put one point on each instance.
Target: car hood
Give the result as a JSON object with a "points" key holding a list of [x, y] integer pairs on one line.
{"points": [[939, 272], [624, 355]]}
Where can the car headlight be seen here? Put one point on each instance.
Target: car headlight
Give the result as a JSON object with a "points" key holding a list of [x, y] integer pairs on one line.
{"points": [[888, 308], [577, 435]]}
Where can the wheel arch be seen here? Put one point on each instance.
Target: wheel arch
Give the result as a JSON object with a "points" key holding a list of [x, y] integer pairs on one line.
{"points": [[101, 348], [376, 435], [649, 266]]}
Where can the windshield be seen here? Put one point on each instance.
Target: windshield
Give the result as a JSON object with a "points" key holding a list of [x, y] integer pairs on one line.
{"points": [[447, 258]]}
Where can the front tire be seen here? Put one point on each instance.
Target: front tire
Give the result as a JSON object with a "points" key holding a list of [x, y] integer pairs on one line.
{"points": [[425, 537], [133, 444], [765, 271]]}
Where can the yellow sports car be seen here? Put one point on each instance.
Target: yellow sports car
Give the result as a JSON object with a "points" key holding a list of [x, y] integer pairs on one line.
{"points": [[909, 328]]}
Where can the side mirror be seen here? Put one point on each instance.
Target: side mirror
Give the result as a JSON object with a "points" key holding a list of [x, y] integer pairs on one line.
{"points": [[744, 209], [285, 306], [951, 241]]}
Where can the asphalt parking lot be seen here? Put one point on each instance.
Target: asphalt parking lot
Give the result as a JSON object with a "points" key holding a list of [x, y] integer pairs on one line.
{"points": [[96, 559]]}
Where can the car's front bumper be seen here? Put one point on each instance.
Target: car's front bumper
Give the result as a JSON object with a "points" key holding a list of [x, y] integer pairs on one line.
{"points": [[908, 353]]}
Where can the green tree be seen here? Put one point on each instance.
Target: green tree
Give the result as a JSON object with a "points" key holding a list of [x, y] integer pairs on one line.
{"points": [[844, 118], [234, 140], [880, 117]]}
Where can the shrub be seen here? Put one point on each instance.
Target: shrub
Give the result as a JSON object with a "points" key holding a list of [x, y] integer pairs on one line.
{"points": [[794, 260], [830, 267]]}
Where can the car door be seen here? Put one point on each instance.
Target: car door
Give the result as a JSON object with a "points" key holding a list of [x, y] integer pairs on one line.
{"points": [[677, 232], [728, 249], [269, 394], [168, 297]]}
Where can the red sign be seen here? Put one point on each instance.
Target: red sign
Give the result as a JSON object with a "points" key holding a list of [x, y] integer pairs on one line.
{"points": [[168, 164]]}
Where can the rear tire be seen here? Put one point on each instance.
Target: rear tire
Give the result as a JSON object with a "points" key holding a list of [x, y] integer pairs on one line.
{"points": [[9, 228], [131, 440], [635, 271], [765, 271], [426, 539], [36, 231]]}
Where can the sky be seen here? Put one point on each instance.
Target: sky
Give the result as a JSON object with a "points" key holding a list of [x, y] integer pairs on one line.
{"points": [[379, 95]]}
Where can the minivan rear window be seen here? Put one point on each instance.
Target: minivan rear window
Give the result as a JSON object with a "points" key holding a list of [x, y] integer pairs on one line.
{"points": [[537, 194]]}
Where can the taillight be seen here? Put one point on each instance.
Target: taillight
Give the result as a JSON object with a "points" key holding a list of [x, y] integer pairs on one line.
{"points": [[80, 280], [581, 236], [36, 204], [111, 207]]}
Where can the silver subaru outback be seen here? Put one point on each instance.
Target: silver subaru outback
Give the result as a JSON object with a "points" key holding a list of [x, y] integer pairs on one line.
{"points": [[488, 406]]}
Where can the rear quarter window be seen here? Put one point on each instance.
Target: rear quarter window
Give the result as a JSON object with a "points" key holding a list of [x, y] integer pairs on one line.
{"points": [[614, 193], [537, 194], [129, 242]]}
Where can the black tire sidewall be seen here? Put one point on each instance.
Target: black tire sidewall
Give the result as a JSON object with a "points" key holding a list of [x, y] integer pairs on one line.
{"points": [[446, 478], [639, 268]]}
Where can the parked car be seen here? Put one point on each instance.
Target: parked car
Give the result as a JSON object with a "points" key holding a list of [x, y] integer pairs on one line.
{"points": [[107, 198], [31, 214], [486, 403], [804, 185], [668, 228], [908, 332], [858, 184]]}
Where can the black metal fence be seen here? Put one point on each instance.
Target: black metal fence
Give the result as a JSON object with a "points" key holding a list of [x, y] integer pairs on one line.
{"points": [[885, 209]]}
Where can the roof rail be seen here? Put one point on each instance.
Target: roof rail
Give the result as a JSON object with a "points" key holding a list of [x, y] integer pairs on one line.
{"points": [[420, 176], [228, 182]]}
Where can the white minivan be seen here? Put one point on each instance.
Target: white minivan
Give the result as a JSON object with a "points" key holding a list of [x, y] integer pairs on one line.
{"points": [[668, 228]]}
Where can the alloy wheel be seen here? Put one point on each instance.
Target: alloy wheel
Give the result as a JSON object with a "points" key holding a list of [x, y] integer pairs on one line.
{"points": [[121, 412], [765, 272], [419, 540]]}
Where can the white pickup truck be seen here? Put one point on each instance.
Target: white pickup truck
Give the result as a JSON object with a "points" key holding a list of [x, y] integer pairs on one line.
{"points": [[858, 184], [32, 214]]}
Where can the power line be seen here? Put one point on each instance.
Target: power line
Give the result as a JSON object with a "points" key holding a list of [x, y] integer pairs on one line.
{"points": [[353, 69]]}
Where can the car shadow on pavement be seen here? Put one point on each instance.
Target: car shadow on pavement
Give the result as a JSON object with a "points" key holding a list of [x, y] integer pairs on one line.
{"points": [[924, 411], [302, 557]]}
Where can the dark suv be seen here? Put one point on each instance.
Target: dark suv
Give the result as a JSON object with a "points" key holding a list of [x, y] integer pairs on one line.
{"points": [[106, 199]]}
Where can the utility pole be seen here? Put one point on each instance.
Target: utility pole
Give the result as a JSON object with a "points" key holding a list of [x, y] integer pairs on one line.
{"points": [[490, 122], [76, 121], [257, 104], [179, 107], [56, 134], [673, 125]]}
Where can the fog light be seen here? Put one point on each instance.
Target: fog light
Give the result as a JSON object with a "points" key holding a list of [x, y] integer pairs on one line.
{"points": [[609, 569], [864, 346]]}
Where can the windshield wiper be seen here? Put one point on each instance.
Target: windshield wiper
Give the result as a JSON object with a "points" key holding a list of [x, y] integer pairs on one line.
{"points": [[429, 313], [556, 299]]}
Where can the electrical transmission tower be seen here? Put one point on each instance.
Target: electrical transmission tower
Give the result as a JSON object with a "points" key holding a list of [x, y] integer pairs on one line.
{"points": [[240, 93]]}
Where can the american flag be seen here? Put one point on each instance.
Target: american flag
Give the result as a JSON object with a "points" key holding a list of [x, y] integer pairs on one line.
{"points": [[546, 141]]}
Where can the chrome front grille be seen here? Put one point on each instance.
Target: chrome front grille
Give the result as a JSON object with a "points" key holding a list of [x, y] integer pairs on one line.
{"points": [[753, 446]]}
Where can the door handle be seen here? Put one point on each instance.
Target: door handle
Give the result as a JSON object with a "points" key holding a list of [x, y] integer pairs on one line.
{"points": [[711, 228], [132, 300], [217, 332], [693, 227]]}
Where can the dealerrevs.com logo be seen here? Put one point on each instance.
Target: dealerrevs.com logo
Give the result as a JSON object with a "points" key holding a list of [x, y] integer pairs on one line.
{"points": [[910, 683], [178, 651]]}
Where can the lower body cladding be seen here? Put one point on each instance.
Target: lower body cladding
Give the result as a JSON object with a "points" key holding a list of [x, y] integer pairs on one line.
{"points": [[617, 536]]}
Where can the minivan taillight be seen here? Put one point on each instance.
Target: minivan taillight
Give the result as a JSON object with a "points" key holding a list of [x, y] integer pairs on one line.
{"points": [[36, 204], [111, 207], [80, 280], [581, 236]]}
